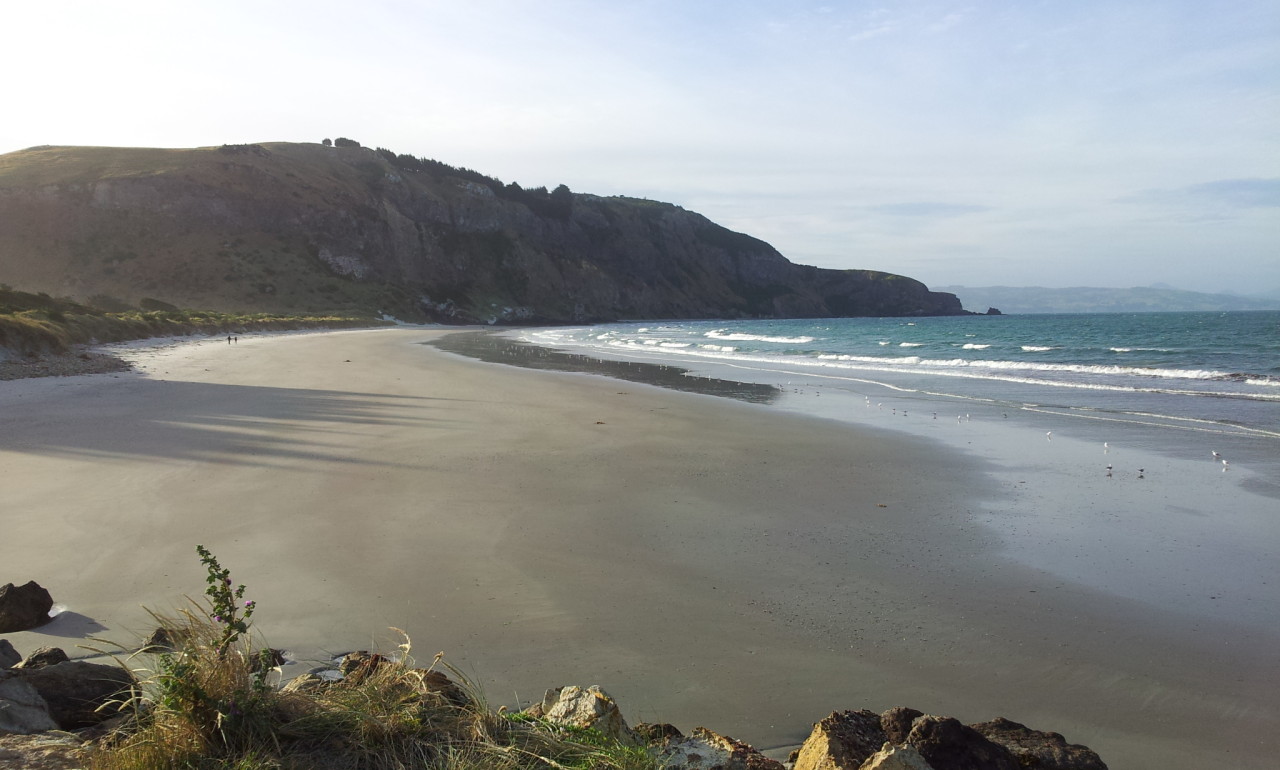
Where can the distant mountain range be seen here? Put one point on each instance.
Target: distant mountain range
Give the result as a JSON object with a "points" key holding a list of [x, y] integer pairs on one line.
{"points": [[310, 229], [1084, 299]]}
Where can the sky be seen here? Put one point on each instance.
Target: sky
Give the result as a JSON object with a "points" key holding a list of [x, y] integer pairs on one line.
{"points": [[1024, 143]]}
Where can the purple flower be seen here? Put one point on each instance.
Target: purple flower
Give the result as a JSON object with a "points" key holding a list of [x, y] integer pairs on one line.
{"points": [[249, 604], [218, 618]]}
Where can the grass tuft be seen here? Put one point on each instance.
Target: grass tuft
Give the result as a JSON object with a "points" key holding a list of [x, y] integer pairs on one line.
{"points": [[207, 703]]}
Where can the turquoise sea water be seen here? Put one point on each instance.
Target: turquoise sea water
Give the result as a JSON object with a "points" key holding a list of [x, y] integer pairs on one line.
{"points": [[1207, 372]]}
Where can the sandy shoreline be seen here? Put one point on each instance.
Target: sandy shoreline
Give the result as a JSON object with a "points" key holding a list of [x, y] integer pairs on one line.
{"points": [[706, 561]]}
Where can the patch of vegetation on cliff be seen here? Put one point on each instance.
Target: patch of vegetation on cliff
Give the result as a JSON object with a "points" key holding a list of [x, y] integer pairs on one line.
{"points": [[32, 325]]}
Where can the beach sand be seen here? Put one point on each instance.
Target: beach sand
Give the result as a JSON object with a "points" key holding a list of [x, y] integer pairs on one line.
{"points": [[708, 562]]}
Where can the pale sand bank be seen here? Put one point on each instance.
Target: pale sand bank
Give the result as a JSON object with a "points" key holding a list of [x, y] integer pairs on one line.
{"points": [[706, 561]]}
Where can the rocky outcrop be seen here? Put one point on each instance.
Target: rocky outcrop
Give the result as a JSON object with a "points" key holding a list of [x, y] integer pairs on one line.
{"points": [[78, 694], [897, 722], [948, 745], [23, 607], [843, 739], [905, 739], [304, 228], [591, 707], [43, 656], [705, 750], [8, 655], [892, 757], [1033, 748], [22, 710]]}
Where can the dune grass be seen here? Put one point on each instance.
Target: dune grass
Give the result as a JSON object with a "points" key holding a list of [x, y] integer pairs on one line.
{"points": [[35, 324], [207, 702]]}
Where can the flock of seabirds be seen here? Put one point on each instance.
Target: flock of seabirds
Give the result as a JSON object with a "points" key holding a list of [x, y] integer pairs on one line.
{"points": [[1106, 446]]}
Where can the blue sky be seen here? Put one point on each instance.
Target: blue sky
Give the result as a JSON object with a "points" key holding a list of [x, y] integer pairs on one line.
{"points": [[1014, 143]]}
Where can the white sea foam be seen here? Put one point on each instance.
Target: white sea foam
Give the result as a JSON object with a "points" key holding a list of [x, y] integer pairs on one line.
{"points": [[973, 346], [674, 344], [738, 337], [719, 348], [1121, 350], [1036, 348], [910, 344]]}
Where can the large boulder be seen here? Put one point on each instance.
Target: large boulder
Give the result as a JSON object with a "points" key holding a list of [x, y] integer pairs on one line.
{"points": [[8, 655], [841, 741], [79, 694], [575, 706], [23, 607], [705, 750], [948, 745], [1043, 751], [22, 710]]}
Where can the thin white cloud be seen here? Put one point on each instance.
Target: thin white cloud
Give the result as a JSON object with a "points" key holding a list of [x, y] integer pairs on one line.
{"points": [[830, 130]]}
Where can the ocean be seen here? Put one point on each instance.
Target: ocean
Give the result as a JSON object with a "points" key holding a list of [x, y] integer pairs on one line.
{"points": [[1213, 374]]}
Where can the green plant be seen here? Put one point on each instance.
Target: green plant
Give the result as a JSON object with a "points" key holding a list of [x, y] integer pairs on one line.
{"points": [[225, 606]]}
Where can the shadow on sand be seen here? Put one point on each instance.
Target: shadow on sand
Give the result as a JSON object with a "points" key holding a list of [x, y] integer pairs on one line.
{"points": [[168, 421]]}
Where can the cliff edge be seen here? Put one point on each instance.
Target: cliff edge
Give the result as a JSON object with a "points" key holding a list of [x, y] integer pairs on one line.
{"points": [[305, 228]]}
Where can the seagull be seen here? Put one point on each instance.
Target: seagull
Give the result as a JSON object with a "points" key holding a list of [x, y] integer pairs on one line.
{"points": [[1216, 456], [1225, 466], [1048, 435], [1108, 470], [1105, 447], [1140, 472]]}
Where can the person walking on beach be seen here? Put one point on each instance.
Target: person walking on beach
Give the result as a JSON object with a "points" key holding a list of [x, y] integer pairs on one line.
{"points": [[228, 339]]}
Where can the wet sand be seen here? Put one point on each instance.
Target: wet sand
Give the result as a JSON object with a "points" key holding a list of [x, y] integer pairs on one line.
{"points": [[709, 562]]}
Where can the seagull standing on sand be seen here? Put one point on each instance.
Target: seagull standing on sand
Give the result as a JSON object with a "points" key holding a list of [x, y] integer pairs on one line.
{"points": [[1106, 447], [1216, 456], [1048, 435], [1108, 470], [1225, 466]]}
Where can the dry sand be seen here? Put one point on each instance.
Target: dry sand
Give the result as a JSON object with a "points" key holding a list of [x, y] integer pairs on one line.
{"points": [[706, 561]]}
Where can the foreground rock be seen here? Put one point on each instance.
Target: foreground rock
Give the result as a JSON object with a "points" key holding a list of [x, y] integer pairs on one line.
{"points": [[1033, 748], [705, 750], [591, 707], [948, 745], [42, 752], [8, 655], [78, 694], [42, 657], [23, 607], [844, 739], [22, 710], [906, 739]]}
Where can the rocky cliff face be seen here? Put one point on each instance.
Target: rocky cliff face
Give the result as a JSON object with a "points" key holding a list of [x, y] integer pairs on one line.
{"points": [[298, 227]]}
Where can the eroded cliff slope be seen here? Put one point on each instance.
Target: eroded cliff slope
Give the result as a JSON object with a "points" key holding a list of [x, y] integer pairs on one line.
{"points": [[288, 227]]}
